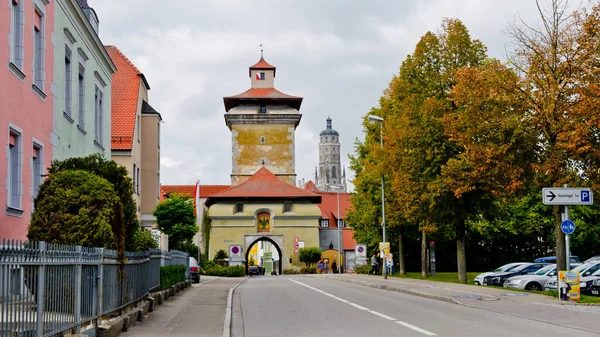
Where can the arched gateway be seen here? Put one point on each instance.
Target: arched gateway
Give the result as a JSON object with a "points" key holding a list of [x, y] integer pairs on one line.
{"points": [[264, 208]]}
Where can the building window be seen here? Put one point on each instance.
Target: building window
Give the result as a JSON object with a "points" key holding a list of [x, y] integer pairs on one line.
{"points": [[158, 185], [81, 121], [68, 83], [263, 140], [38, 52], [133, 173], [341, 223], [139, 129], [239, 208], [333, 175], [260, 76], [36, 168], [324, 223], [263, 109], [98, 116], [15, 166], [17, 15], [138, 181], [287, 207]]}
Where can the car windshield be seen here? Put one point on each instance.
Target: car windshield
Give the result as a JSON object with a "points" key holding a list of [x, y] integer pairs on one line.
{"points": [[545, 270], [520, 267], [505, 267], [581, 268]]}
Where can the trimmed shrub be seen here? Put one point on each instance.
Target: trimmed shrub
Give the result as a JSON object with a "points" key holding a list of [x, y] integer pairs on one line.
{"points": [[308, 270], [362, 269], [310, 255], [170, 275]]}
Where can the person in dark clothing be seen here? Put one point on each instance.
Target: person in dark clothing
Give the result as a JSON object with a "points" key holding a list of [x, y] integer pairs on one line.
{"points": [[334, 268], [374, 264]]}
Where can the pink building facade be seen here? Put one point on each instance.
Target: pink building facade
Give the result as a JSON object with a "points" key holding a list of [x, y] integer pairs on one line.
{"points": [[26, 108]]}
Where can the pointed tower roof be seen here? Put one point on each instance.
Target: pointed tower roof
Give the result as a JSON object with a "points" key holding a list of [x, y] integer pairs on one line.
{"points": [[261, 65], [263, 185]]}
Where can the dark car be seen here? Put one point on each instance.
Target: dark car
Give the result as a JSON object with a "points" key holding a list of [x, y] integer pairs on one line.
{"points": [[595, 288], [253, 270], [586, 282], [497, 279]]}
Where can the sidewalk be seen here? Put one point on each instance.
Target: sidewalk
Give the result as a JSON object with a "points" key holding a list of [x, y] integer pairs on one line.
{"points": [[520, 304], [198, 311]]}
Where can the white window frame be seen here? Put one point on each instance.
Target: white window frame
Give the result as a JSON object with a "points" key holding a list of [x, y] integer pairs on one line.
{"points": [[17, 28], [68, 94], [98, 115], [134, 178], [81, 96], [341, 223], [36, 168], [38, 64], [324, 223], [14, 184], [138, 181]]}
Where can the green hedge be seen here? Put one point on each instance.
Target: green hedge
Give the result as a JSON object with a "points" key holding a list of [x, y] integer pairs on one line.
{"points": [[214, 269], [308, 270], [170, 275], [362, 269]]}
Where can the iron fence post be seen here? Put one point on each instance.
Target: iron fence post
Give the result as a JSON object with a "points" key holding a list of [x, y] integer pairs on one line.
{"points": [[78, 271], [100, 286], [41, 281]]}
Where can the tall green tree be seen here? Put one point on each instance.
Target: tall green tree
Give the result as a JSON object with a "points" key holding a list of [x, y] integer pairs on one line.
{"points": [[75, 207], [117, 175], [175, 217]]}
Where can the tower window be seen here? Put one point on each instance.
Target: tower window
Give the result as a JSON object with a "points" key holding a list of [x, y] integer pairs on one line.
{"points": [[263, 109], [333, 175]]}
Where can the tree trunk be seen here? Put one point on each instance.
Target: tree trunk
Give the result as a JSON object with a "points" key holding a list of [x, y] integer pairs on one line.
{"points": [[461, 253], [560, 251], [401, 259], [423, 254]]}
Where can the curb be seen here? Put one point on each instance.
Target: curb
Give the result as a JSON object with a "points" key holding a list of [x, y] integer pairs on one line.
{"points": [[227, 323]]}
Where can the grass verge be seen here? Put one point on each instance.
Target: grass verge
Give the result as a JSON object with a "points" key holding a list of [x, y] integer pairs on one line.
{"points": [[440, 277]]}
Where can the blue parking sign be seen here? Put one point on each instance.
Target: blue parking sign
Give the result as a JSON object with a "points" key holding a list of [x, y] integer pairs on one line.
{"points": [[585, 196]]}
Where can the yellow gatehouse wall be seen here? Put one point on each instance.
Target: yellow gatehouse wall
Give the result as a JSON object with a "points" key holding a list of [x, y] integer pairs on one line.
{"points": [[229, 228], [258, 145]]}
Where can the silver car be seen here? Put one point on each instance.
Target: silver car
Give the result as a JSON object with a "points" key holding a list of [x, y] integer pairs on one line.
{"points": [[584, 270], [507, 267], [535, 281]]}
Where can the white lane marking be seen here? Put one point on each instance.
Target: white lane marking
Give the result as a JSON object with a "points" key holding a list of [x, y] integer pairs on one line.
{"points": [[382, 315], [416, 328], [410, 326], [358, 306]]}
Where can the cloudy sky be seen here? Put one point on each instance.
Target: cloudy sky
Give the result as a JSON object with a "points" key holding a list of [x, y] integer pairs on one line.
{"points": [[337, 54]]}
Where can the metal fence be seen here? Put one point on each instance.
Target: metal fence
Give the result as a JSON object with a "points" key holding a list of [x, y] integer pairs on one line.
{"points": [[46, 289]]}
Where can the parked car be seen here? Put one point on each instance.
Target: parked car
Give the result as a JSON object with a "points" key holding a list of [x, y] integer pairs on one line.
{"points": [[552, 259], [584, 270], [479, 278], [595, 289], [593, 258], [497, 279], [193, 271], [586, 282], [535, 281], [254, 270]]}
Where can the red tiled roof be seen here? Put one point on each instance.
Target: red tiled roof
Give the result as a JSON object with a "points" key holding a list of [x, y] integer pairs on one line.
{"points": [[262, 64], [310, 186], [329, 206], [262, 94], [190, 190], [126, 83], [347, 241], [263, 185]]}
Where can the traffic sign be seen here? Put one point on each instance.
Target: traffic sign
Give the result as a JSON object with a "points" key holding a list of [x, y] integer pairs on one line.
{"points": [[567, 196], [296, 239], [567, 226], [295, 250], [296, 245], [384, 245]]}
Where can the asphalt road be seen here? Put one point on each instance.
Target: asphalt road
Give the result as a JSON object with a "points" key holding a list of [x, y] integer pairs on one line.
{"points": [[313, 307]]}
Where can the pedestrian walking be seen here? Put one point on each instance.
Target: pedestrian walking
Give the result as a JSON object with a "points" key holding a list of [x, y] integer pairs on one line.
{"points": [[374, 264], [334, 266]]}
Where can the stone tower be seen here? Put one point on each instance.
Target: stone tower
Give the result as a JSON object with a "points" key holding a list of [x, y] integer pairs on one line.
{"points": [[330, 172], [263, 123]]}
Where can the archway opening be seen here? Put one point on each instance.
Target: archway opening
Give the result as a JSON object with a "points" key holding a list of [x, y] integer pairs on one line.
{"points": [[277, 265]]}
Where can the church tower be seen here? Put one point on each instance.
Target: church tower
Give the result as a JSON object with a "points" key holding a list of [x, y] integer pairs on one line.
{"points": [[330, 171], [263, 123]]}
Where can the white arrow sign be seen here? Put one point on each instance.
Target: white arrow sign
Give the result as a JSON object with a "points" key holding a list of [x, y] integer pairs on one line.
{"points": [[567, 196]]}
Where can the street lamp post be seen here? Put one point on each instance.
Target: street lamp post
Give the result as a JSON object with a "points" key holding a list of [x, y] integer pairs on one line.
{"points": [[380, 120], [339, 264]]}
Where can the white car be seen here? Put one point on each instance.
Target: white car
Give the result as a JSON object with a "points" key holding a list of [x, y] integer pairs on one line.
{"points": [[535, 281], [507, 267], [584, 270]]}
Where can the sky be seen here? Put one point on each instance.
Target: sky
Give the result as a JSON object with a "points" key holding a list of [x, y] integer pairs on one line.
{"points": [[338, 54]]}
